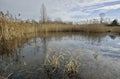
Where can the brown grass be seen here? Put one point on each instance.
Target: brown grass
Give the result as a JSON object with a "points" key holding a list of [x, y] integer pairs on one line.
{"points": [[15, 29], [89, 28], [11, 29], [115, 29], [72, 28]]}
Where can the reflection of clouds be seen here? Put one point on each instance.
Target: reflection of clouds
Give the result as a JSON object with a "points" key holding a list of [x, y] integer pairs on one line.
{"points": [[114, 49], [110, 51], [118, 43], [113, 56], [106, 46], [105, 67], [109, 48]]}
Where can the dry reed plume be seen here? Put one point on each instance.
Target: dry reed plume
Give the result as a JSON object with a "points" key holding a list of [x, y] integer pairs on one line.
{"points": [[60, 61]]}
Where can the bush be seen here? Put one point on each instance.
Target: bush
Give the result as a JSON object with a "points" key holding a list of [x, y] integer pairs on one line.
{"points": [[114, 23]]}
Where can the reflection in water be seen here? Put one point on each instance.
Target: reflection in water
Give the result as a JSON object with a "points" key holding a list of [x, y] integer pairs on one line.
{"points": [[112, 37], [99, 55]]}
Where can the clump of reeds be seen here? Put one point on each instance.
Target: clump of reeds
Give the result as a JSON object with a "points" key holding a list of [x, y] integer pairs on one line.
{"points": [[53, 62], [11, 28], [68, 65], [71, 67], [95, 55]]}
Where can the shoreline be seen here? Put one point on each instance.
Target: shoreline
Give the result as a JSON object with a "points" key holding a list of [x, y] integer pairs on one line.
{"points": [[10, 29]]}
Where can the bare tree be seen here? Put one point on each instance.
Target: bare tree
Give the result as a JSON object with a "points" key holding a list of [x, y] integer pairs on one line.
{"points": [[43, 14], [49, 19], [102, 15], [58, 20]]}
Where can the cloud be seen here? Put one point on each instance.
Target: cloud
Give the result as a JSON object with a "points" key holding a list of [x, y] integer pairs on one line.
{"points": [[84, 3], [111, 7], [64, 9], [69, 9]]}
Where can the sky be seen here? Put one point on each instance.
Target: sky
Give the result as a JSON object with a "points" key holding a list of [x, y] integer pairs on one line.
{"points": [[66, 10]]}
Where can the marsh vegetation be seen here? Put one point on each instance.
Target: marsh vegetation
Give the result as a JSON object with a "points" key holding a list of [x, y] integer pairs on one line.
{"points": [[58, 50], [12, 28]]}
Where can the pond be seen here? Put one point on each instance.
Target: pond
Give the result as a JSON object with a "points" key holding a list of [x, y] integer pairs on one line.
{"points": [[94, 56]]}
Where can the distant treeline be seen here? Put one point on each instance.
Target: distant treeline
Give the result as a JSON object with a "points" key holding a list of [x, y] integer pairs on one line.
{"points": [[114, 23]]}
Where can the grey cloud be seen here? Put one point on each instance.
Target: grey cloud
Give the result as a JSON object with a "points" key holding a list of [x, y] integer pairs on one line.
{"points": [[30, 9]]}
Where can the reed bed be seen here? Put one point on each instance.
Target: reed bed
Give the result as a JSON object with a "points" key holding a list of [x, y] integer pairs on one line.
{"points": [[74, 28], [115, 29], [87, 28], [11, 28]]}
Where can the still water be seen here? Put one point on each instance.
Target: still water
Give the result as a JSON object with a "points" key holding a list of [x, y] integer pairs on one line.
{"points": [[99, 56]]}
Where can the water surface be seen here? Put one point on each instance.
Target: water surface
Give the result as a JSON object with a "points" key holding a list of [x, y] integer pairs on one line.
{"points": [[99, 55]]}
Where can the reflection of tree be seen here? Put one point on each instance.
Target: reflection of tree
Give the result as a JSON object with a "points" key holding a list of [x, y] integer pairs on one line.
{"points": [[112, 36], [44, 46], [44, 41], [95, 37]]}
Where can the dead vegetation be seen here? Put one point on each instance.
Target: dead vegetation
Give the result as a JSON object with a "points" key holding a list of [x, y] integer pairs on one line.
{"points": [[11, 28], [55, 62]]}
